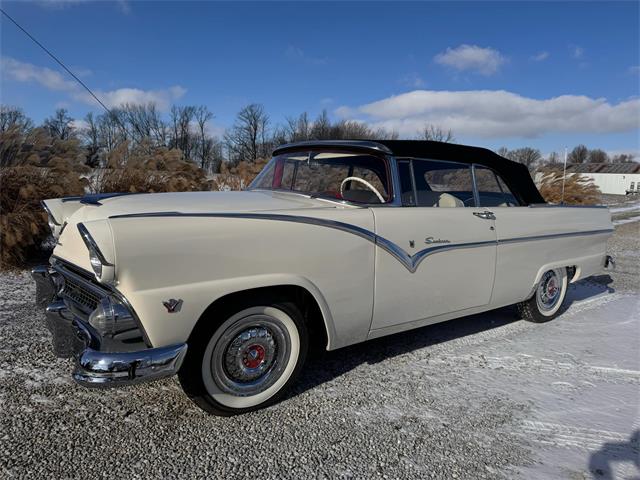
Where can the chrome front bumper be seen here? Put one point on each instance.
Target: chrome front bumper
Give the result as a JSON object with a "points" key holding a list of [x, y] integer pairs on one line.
{"points": [[72, 337]]}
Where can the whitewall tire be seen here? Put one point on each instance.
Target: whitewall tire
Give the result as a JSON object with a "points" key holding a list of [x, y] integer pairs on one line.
{"points": [[547, 299], [247, 361]]}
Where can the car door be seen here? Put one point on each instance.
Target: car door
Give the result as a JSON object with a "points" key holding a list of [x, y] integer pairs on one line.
{"points": [[437, 252]]}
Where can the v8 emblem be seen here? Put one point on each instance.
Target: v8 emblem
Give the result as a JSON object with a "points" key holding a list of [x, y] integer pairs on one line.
{"points": [[173, 305]]}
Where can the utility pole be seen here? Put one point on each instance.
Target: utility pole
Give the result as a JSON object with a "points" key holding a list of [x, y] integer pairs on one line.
{"points": [[564, 175]]}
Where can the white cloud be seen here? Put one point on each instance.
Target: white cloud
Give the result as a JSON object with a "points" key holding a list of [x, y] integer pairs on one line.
{"points": [[539, 57], [56, 81], [114, 98], [413, 80], [485, 61], [297, 54], [576, 51], [122, 6], [27, 72], [496, 113]]}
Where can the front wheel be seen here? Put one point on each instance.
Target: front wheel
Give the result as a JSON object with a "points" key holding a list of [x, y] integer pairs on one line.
{"points": [[248, 361], [545, 303]]}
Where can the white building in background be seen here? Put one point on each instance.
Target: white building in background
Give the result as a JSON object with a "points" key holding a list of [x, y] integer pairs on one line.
{"points": [[610, 178]]}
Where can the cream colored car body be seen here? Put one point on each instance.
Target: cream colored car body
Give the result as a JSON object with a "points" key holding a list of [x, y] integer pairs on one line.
{"points": [[359, 263]]}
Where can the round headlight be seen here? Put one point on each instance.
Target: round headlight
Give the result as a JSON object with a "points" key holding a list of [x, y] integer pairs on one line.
{"points": [[96, 264], [111, 317]]}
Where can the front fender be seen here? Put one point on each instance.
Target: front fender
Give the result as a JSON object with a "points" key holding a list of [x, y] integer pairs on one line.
{"points": [[164, 328]]}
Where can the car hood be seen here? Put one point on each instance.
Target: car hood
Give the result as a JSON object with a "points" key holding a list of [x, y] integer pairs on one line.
{"points": [[197, 202]]}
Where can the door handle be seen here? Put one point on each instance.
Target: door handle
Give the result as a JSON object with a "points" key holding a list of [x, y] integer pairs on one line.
{"points": [[487, 215]]}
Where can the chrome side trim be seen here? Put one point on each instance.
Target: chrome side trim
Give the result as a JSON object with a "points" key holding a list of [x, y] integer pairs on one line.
{"points": [[554, 235], [410, 262], [549, 205], [92, 245]]}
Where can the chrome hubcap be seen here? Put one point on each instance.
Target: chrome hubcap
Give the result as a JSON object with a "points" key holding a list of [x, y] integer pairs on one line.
{"points": [[250, 355], [548, 293]]}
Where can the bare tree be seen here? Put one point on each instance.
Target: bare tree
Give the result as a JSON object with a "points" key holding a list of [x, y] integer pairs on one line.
{"points": [[578, 155], [436, 134], [91, 136], [181, 119], [13, 117], [622, 158], [247, 138], [527, 156], [203, 115], [553, 159], [503, 152], [60, 125], [321, 128], [598, 156]]}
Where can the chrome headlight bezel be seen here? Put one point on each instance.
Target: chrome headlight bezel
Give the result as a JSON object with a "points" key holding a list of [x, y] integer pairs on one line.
{"points": [[112, 317], [104, 270]]}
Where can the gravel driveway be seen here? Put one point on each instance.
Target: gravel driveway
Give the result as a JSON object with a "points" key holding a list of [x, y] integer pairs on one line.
{"points": [[486, 396]]}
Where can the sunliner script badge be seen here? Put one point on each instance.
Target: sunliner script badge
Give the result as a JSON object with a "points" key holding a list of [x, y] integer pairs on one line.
{"points": [[430, 240], [173, 305]]}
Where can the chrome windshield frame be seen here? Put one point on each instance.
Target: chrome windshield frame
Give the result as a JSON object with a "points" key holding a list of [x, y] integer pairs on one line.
{"points": [[392, 168]]}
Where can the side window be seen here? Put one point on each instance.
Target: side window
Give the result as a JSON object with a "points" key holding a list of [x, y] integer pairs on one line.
{"points": [[492, 190], [406, 184], [443, 184], [632, 184]]}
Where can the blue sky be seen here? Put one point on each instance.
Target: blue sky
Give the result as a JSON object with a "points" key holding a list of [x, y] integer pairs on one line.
{"points": [[505, 73]]}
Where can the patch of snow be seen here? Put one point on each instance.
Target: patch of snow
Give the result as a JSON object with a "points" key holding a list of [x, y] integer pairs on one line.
{"points": [[626, 220], [629, 208]]}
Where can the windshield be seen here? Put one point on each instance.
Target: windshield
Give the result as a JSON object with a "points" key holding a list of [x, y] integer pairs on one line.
{"points": [[354, 177]]}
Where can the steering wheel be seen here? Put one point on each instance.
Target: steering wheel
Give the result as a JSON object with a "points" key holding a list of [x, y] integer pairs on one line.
{"points": [[469, 202], [365, 183]]}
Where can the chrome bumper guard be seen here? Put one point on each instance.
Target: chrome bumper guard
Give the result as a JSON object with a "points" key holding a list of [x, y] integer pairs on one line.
{"points": [[95, 368]]}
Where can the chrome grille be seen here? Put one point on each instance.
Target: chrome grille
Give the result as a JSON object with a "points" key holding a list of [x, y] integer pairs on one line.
{"points": [[79, 290], [80, 295]]}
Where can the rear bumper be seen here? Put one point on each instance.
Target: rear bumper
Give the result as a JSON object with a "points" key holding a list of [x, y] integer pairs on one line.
{"points": [[72, 337]]}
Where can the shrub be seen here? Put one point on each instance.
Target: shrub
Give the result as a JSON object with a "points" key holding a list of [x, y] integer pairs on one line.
{"points": [[578, 190], [151, 171], [23, 222], [237, 177]]}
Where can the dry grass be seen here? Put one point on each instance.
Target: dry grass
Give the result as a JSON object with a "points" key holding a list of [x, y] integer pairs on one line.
{"points": [[159, 170], [578, 190], [23, 222], [237, 177]]}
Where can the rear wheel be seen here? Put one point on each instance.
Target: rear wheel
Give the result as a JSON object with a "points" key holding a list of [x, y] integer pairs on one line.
{"points": [[547, 300], [248, 361]]}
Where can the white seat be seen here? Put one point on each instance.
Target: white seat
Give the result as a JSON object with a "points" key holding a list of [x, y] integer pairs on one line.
{"points": [[438, 199]]}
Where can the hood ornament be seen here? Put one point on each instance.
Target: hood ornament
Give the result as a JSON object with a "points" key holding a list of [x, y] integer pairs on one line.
{"points": [[172, 305]]}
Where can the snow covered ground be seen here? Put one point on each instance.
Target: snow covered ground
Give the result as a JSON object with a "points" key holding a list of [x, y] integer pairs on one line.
{"points": [[485, 396]]}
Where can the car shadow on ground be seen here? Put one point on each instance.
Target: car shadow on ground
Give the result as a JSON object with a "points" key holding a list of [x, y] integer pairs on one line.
{"points": [[324, 366], [603, 461]]}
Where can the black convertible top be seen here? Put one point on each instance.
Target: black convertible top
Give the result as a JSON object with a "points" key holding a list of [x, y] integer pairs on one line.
{"points": [[515, 175]]}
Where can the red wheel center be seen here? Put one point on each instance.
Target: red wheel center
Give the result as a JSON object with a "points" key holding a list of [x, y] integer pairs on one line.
{"points": [[253, 356], [551, 288]]}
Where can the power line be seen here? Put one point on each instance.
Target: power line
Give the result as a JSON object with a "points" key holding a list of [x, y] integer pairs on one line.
{"points": [[57, 60]]}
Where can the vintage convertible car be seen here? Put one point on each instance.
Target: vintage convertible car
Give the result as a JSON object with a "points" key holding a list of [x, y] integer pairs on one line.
{"points": [[334, 243]]}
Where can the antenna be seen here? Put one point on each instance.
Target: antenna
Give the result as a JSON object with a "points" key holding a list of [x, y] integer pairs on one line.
{"points": [[564, 175], [56, 59]]}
